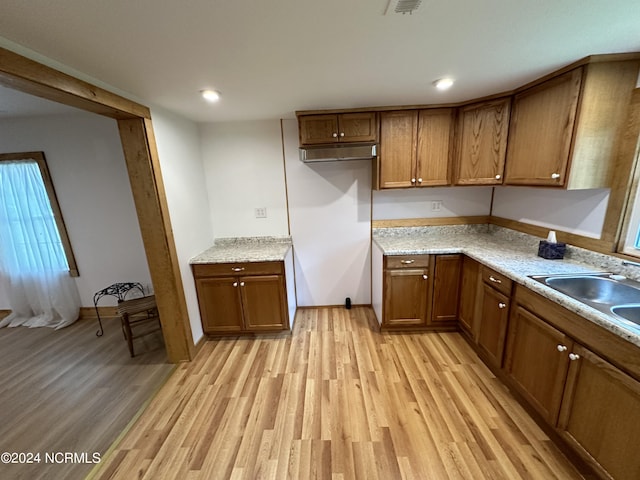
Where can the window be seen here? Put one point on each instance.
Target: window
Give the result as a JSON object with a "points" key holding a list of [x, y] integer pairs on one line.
{"points": [[56, 244]]}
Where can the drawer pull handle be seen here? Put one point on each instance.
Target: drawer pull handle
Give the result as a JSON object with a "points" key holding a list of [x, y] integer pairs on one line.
{"points": [[407, 262], [237, 269], [494, 280], [561, 348], [573, 356], [425, 277], [235, 284], [502, 305]]}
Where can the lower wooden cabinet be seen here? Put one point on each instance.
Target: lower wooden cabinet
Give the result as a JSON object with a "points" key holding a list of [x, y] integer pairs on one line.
{"points": [[252, 300], [600, 415], [492, 328], [407, 290], [421, 291], [494, 298], [537, 361], [593, 402], [468, 295]]}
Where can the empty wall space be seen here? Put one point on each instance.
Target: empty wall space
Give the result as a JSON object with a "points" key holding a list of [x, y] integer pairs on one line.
{"points": [[576, 211], [244, 171], [419, 202]]}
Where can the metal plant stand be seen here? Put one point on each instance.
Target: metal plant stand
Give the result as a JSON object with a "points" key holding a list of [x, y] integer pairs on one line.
{"points": [[118, 290]]}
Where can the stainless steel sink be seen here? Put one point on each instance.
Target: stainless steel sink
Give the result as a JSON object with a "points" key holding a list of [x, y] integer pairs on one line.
{"points": [[595, 289], [628, 312], [613, 295]]}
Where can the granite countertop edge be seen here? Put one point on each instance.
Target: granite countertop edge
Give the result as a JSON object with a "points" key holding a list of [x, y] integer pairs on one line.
{"points": [[492, 254], [245, 250]]}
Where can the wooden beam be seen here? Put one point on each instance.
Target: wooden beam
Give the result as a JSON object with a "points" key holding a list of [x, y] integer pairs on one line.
{"points": [[20, 73], [140, 152]]}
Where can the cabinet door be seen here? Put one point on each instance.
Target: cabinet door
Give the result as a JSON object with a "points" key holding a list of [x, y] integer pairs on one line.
{"points": [[601, 414], [219, 300], [468, 294], [435, 136], [446, 289], [358, 127], [406, 293], [318, 129], [541, 131], [482, 143], [534, 362], [492, 328], [398, 131], [263, 302]]}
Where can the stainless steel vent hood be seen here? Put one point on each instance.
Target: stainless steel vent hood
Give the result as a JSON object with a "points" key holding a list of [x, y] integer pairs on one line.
{"points": [[336, 153]]}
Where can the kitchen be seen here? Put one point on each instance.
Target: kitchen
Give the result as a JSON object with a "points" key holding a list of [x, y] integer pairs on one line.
{"points": [[355, 201]]}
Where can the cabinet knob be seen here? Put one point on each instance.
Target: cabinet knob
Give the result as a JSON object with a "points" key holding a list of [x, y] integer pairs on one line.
{"points": [[561, 348], [573, 356], [502, 305], [235, 284], [342, 134], [420, 180], [334, 135], [242, 284], [413, 180], [494, 279], [498, 177], [237, 269], [425, 277], [555, 175]]}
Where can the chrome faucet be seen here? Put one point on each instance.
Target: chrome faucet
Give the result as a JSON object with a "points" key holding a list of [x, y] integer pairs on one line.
{"points": [[629, 262]]}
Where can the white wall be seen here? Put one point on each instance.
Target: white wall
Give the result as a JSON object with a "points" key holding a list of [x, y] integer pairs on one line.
{"points": [[87, 166], [330, 211], [416, 202], [244, 170], [183, 174], [577, 211]]}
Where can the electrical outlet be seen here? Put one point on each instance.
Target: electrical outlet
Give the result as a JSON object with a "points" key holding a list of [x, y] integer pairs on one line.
{"points": [[436, 205], [261, 212]]}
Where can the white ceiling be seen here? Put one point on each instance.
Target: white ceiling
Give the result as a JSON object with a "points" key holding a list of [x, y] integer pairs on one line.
{"points": [[272, 57]]}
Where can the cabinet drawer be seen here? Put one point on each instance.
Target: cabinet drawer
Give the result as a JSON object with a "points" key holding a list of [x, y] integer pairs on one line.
{"points": [[247, 268], [406, 261], [496, 280]]}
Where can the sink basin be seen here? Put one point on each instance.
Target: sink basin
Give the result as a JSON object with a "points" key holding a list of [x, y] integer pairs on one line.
{"points": [[614, 295], [595, 289], [628, 312]]}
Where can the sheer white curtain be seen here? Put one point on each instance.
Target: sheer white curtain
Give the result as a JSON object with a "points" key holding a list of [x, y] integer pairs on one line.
{"points": [[33, 267]]}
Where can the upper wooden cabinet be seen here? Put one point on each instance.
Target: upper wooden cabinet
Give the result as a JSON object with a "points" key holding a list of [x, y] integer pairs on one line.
{"points": [[482, 143], [563, 131], [335, 128], [415, 147]]}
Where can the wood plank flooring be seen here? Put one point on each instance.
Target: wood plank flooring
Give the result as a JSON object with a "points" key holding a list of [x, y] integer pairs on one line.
{"points": [[336, 400], [70, 391]]}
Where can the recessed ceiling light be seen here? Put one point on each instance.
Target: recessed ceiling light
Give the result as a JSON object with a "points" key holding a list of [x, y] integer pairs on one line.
{"points": [[210, 95], [443, 83]]}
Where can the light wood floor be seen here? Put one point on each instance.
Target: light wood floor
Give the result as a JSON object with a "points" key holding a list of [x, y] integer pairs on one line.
{"points": [[336, 400], [70, 391]]}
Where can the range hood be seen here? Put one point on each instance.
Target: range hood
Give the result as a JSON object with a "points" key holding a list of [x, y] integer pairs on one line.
{"points": [[337, 153]]}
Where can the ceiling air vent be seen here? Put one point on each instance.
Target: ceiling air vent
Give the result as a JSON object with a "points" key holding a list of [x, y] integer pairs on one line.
{"points": [[403, 6]]}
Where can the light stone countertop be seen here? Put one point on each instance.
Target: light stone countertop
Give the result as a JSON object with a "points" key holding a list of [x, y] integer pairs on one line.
{"points": [[245, 249], [515, 255]]}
